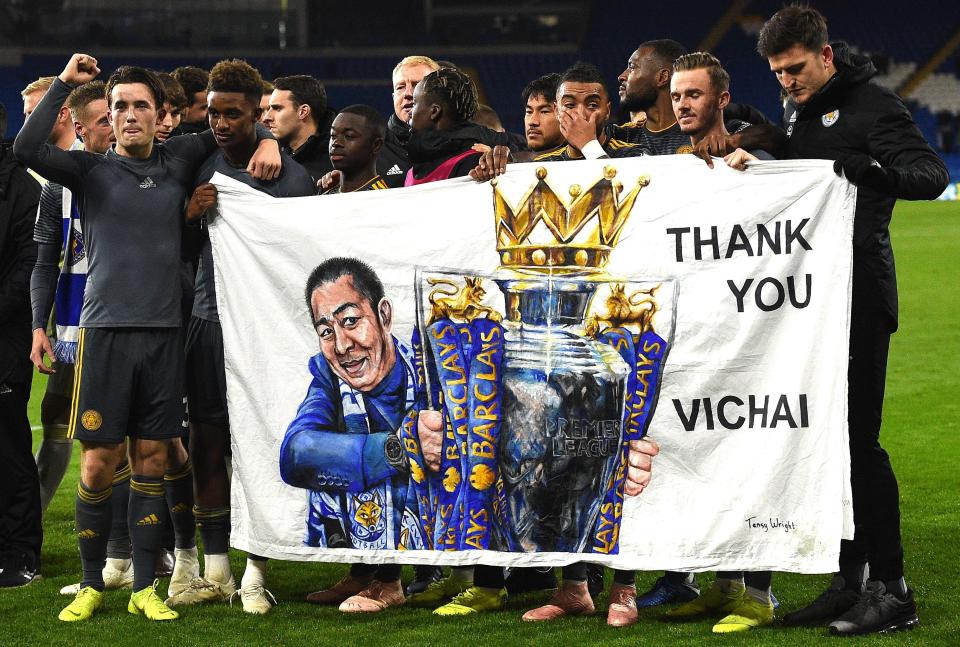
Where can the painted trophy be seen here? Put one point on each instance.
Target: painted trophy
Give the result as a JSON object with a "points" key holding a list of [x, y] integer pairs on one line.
{"points": [[543, 381]]}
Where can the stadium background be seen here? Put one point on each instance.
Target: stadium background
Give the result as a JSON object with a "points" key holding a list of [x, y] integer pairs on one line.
{"points": [[353, 46]]}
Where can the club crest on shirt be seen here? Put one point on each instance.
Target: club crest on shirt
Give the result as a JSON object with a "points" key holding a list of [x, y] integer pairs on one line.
{"points": [[683, 150], [830, 118]]}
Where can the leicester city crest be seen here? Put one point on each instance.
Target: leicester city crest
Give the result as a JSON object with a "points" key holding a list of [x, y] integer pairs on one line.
{"points": [[830, 118], [77, 249]]}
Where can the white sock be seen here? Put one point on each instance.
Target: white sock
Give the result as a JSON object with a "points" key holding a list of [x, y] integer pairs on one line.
{"points": [[119, 563], [462, 573], [186, 561], [216, 568], [255, 573], [760, 595]]}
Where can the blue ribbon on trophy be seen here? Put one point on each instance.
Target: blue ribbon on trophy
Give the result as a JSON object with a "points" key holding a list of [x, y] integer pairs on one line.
{"points": [[644, 354], [444, 342], [420, 501], [483, 431]]}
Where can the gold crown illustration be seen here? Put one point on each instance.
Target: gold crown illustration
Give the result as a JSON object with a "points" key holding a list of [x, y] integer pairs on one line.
{"points": [[546, 233]]}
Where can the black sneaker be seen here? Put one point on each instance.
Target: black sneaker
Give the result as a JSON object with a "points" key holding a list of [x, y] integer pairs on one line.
{"points": [[877, 611], [424, 576], [18, 573], [524, 580], [827, 607]]}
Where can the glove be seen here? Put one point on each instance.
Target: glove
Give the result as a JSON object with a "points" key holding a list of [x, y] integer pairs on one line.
{"points": [[864, 172]]}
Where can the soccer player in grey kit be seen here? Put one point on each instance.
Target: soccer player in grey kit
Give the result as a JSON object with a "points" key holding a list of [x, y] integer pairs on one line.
{"points": [[130, 358]]}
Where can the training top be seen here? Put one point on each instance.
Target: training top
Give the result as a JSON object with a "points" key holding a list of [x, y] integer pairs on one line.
{"points": [[131, 213], [294, 181]]}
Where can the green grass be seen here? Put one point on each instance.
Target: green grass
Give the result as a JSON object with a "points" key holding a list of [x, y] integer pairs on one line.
{"points": [[921, 432]]}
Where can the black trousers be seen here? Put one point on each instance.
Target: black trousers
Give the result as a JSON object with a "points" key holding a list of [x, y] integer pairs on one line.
{"points": [[876, 497], [21, 531]]}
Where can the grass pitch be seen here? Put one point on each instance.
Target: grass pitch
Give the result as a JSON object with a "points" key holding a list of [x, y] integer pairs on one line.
{"points": [[921, 433]]}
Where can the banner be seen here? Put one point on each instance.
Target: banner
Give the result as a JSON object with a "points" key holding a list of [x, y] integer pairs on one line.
{"points": [[463, 380]]}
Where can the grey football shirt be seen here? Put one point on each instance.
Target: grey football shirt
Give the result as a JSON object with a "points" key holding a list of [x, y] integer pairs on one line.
{"points": [[294, 181], [132, 210]]}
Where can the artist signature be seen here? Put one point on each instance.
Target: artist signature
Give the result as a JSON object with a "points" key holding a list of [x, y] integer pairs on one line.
{"points": [[771, 523]]}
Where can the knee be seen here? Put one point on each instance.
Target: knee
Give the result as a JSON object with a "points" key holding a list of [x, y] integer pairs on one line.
{"points": [[54, 410], [150, 457]]}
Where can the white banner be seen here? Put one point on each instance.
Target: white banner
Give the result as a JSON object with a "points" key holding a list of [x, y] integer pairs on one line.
{"points": [[751, 417]]}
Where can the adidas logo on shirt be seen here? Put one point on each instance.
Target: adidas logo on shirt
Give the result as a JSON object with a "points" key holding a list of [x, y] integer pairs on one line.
{"points": [[148, 184], [394, 170]]}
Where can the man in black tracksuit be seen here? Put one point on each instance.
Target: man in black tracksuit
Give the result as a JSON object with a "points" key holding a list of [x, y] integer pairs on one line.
{"points": [[833, 112], [20, 527]]}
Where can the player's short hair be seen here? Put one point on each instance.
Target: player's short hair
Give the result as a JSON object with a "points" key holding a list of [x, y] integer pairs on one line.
{"points": [[455, 90], [364, 279], [581, 72], [305, 89], [267, 87], [193, 79], [793, 25], [545, 86], [134, 74], [40, 85], [719, 78], [173, 92], [487, 116], [236, 75], [83, 95], [416, 60], [665, 50], [374, 119]]}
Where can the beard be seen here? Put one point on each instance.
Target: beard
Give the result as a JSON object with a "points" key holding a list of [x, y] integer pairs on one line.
{"points": [[639, 101]]}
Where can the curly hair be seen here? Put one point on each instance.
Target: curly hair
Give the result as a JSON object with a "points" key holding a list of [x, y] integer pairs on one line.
{"points": [[236, 75], [455, 90]]}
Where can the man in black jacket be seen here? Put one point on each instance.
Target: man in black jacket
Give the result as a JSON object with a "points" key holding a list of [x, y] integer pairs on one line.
{"points": [[299, 116], [833, 112], [21, 533]]}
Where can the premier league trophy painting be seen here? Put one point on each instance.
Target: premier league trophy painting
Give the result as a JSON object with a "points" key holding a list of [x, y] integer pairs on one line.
{"points": [[543, 368]]}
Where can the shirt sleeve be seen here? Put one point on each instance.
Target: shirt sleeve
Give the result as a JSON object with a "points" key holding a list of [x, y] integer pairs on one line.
{"points": [[49, 225], [43, 283], [14, 288], [917, 173], [316, 455]]}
